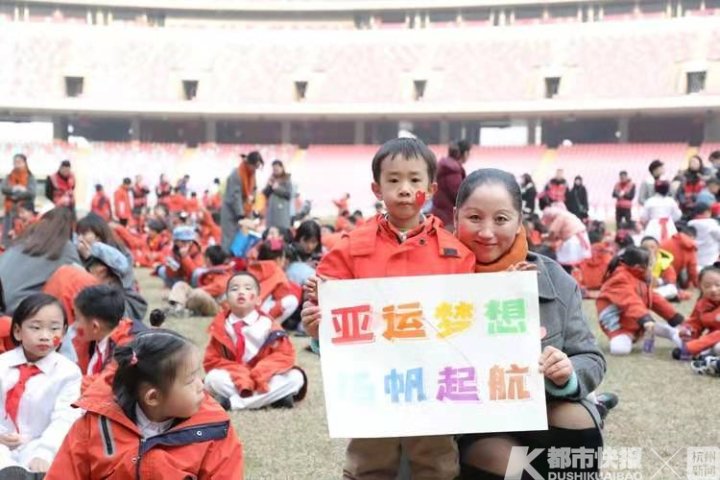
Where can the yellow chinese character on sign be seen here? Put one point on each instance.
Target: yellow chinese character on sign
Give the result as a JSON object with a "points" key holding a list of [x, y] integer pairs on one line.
{"points": [[454, 319], [404, 321]]}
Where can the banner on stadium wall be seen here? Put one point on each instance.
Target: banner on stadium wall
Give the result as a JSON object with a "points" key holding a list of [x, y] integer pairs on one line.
{"points": [[432, 355]]}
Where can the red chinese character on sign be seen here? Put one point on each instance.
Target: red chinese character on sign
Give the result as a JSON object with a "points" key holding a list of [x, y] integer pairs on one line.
{"points": [[404, 321], [352, 324]]}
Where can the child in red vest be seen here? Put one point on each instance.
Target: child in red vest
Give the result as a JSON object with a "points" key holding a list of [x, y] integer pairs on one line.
{"points": [[154, 422], [250, 361], [101, 205], [279, 298]]}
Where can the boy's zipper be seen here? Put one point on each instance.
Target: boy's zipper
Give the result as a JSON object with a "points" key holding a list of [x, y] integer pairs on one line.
{"points": [[139, 457]]}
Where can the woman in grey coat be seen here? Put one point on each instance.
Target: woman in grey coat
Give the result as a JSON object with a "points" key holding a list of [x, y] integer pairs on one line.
{"points": [[239, 197], [488, 219], [279, 197]]}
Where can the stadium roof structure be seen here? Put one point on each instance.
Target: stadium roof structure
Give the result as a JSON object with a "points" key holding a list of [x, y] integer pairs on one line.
{"points": [[308, 6]]}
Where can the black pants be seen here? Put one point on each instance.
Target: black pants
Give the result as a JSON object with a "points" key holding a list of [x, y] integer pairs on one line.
{"points": [[558, 438], [622, 214]]}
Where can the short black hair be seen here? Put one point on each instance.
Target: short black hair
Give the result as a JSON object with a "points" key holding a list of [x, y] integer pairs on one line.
{"points": [[244, 274], [31, 305], [127, 181], [253, 158], [102, 302], [715, 155], [648, 237], [458, 148], [494, 176], [153, 357], [407, 148], [623, 172], [309, 230], [216, 255]]}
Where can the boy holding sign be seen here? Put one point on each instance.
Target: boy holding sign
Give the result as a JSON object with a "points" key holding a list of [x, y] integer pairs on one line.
{"points": [[401, 243]]}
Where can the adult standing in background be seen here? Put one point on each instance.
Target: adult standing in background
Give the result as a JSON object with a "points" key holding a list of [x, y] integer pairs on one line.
{"points": [[239, 196], [60, 186], [529, 194], [19, 186], [450, 175], [647, 188], [623, 193], [576, 200], [279, 197], [555, 190], [163, 190]]}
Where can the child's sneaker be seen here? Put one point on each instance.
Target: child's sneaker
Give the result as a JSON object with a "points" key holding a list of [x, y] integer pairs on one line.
{"points": [[287, 402], [707, 365], [19, 473], [681, 354]]}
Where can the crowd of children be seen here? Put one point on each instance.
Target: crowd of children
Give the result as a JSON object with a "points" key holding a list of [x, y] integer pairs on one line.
{"points": [[117, 383]]}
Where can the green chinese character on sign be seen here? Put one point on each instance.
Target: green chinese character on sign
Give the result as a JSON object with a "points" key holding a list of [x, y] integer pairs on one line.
{"points": [[506, 317]]}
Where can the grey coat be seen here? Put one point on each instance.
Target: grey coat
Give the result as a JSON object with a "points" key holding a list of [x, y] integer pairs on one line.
{"points": [[23, 274], [17, 196], [567, 328], [232, 209], [278, 206]]}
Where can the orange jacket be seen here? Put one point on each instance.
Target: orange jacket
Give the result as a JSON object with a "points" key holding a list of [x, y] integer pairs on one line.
{"points": [[212, 202], [101, 206], [131, 240], [176, 203], [684, 252], [629, 292], [374, 251], [273, 283], [592, 270], [105, 443], [703, 325], [123, 208], [194, 259], [121, 335], [277, 355], [215, 280], [192, 205], [65, 284], [6, 343], [209, 229]]}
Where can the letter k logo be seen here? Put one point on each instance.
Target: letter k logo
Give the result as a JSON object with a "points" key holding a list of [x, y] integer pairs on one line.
{"points": [[519, 462]]}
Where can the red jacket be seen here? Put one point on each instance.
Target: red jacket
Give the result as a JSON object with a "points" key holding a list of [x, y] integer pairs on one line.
{"points": [[65, 284], [374, 251], [703, 325], [6, 343], [187, 264], [450, 174], [592, 270], [105, 443], [209, 230], [215, 280], [122, 203], [140, 196], [121, 335], [273, 283], [629, 292], [101, 206], [176, 203], [684, 252], [277, 355]]}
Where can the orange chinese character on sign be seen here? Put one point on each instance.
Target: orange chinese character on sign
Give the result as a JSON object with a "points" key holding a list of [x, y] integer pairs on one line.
{"points": [[352, 324], [512, 388], [404, 321]]}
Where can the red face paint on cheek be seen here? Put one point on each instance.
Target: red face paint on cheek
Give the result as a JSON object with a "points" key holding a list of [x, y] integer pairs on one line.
{"points": [[420, 199], [56, 341], [80, 332]]}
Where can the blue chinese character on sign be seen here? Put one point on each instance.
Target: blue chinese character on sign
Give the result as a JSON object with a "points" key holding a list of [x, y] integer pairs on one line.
{"points": [[410, 385]]}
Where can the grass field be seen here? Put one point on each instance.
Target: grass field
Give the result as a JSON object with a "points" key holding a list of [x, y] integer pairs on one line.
{"points": [[663, 408]]}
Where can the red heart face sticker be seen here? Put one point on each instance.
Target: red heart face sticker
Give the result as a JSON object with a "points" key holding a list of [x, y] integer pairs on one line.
{"points": [[80, 332], [56, 341], [420, 199]]}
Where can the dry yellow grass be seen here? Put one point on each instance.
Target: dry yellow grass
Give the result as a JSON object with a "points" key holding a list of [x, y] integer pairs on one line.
{"points": [[664, 408]]}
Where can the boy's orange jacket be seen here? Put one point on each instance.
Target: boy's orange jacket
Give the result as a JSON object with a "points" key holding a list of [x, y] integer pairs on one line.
{"points": [[105, 443], [634, 298], [684, 252], [65, 284], [131, 240], [121, 335], [592, 270], [277, 355], [209, 229], [188, 263], [176, 203], [704, 326], [374, 251]]}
